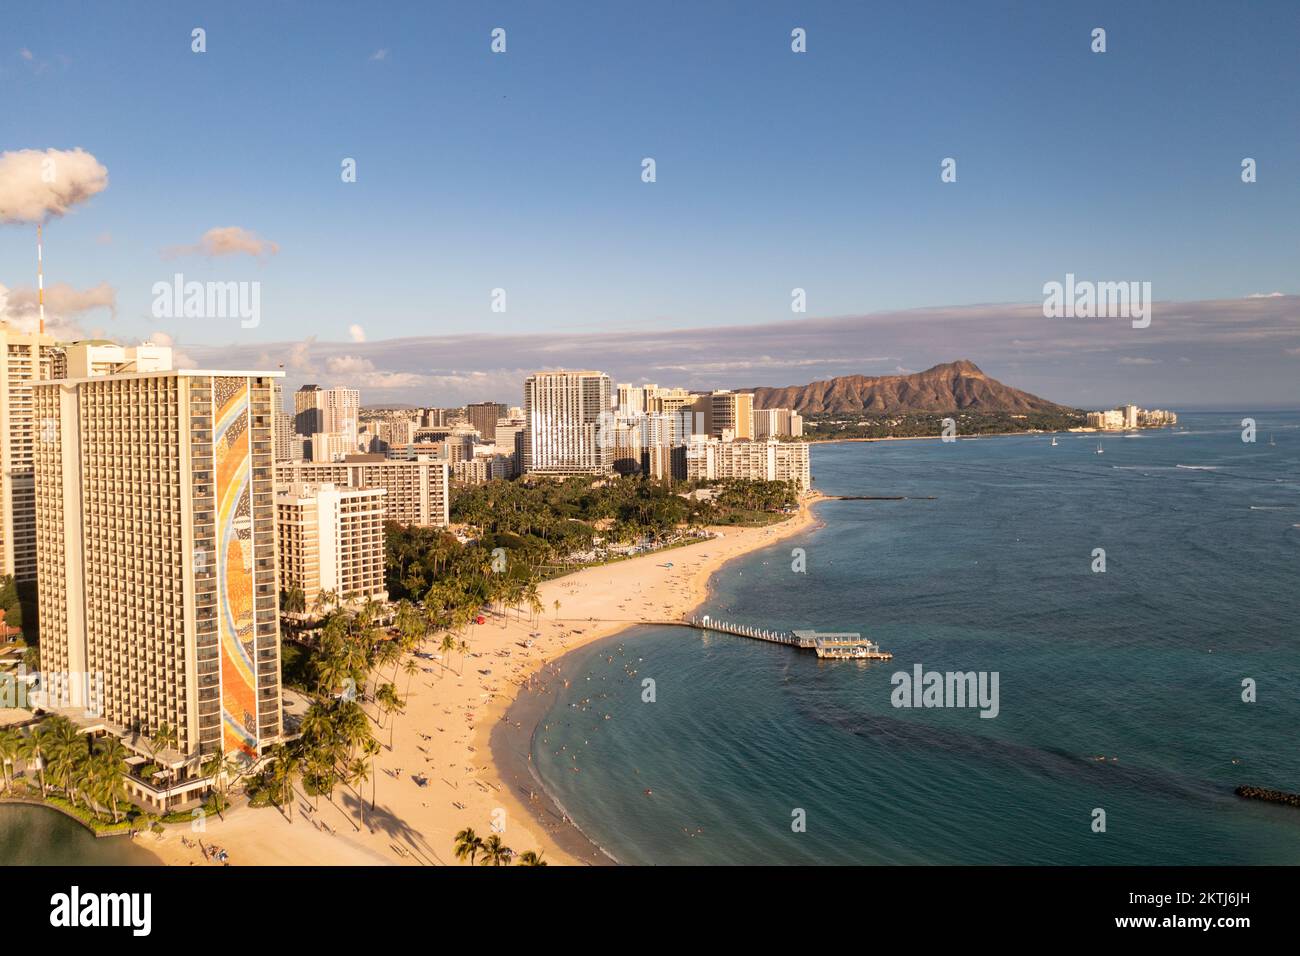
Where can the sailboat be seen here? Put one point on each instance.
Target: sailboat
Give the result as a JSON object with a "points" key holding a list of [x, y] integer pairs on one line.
{"points": [[1271, 443], [1053, 441], [1100, 450]]}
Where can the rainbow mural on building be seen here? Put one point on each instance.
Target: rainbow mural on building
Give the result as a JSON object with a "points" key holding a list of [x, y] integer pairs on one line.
{"points": [[232, 455]]}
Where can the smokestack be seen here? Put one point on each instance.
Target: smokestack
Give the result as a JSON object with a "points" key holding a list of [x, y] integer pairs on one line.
{"points": [[40, 277]]}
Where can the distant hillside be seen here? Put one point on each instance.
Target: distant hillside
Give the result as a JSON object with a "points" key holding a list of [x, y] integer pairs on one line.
{"points": [[955, 386]]}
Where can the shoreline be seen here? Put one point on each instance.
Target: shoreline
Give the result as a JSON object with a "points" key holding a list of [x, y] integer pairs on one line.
{"points": [[460, 753], [515, 728]]}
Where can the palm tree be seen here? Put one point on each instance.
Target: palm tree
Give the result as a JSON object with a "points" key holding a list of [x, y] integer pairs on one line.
{"points": [[531, 858], [359, 773], [68, 751], [111, 756], [293, 601], [371, 749], [557, 609], [534, 600], [411, 668], [218, 766], [162, 738], [11, 746], [289, 766], [448, 645], [35, 748], [325, 600], [463, 648], [391, 704], [468, 845], [496, 853]]}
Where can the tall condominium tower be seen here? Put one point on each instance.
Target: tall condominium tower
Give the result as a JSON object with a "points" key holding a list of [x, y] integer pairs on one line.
{"points": [[483, 417], [564, 412], [332, 411], [309, 410], [25, 359], [342, 413], [155, 527], [728, 412]]}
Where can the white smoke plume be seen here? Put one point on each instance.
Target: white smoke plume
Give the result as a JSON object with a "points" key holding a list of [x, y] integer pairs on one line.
{"points": [[64, 307], [37, 184]]}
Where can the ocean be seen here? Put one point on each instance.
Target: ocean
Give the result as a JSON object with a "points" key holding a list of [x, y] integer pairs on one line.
{"points": [[1120, 693]]}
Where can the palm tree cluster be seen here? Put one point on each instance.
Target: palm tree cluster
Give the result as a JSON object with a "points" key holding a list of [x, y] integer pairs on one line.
{"points": [[469, 845], [538, 526], [756, 495], [87, 772]]}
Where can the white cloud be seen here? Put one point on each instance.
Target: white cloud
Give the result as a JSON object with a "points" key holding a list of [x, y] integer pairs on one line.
{"points": [[37, 184], [357, 332], [225, 241], [379, 55], [1132, 360]]}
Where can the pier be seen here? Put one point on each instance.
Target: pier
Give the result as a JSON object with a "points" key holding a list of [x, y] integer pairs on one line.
{"points": [[840, 646]]}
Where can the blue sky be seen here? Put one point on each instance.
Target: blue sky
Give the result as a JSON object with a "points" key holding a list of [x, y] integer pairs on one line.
{"points": [[775, 170]]}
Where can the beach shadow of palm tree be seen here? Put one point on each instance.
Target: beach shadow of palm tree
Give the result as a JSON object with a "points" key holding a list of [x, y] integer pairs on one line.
{"points": [[385, 821]]}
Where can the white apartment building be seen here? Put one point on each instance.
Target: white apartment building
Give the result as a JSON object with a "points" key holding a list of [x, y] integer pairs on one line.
{"points": [[331, 446], [417, 488], [331, 539], [563, 411], [769, 460]]}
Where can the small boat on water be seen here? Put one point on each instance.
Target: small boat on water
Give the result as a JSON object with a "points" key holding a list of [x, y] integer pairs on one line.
{"points": [[1100, 450], [1053, 441]]}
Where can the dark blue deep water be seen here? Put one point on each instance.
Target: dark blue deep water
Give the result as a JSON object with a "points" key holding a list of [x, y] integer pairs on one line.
{"points": [[1141, 665]]}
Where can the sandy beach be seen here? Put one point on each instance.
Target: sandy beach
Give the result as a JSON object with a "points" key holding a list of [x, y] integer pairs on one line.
{"points": [[460, 755]]}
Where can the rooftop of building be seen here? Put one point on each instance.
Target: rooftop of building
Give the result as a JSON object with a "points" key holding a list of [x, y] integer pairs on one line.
{"points": [[166, 373]]}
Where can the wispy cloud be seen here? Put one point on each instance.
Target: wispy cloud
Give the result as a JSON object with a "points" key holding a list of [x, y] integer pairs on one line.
{"points": [[225, 241]]}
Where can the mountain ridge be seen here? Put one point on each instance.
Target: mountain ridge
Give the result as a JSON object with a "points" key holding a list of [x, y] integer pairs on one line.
{"points": [[948, 387]]}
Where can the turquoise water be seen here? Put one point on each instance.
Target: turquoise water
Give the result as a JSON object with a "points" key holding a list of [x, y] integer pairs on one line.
{"points": [[34, 836], [1142, 663]]}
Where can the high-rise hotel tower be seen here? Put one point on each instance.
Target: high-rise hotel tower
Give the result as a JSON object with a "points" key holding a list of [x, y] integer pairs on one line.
{"points": [[25, 359], [155, 526], [564, 413]]}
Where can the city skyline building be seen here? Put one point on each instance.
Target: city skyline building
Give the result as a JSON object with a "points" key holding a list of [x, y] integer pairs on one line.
{"points": [[418, 488], [25, 359], [156, 553], [563, 412], [330, 539]]}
